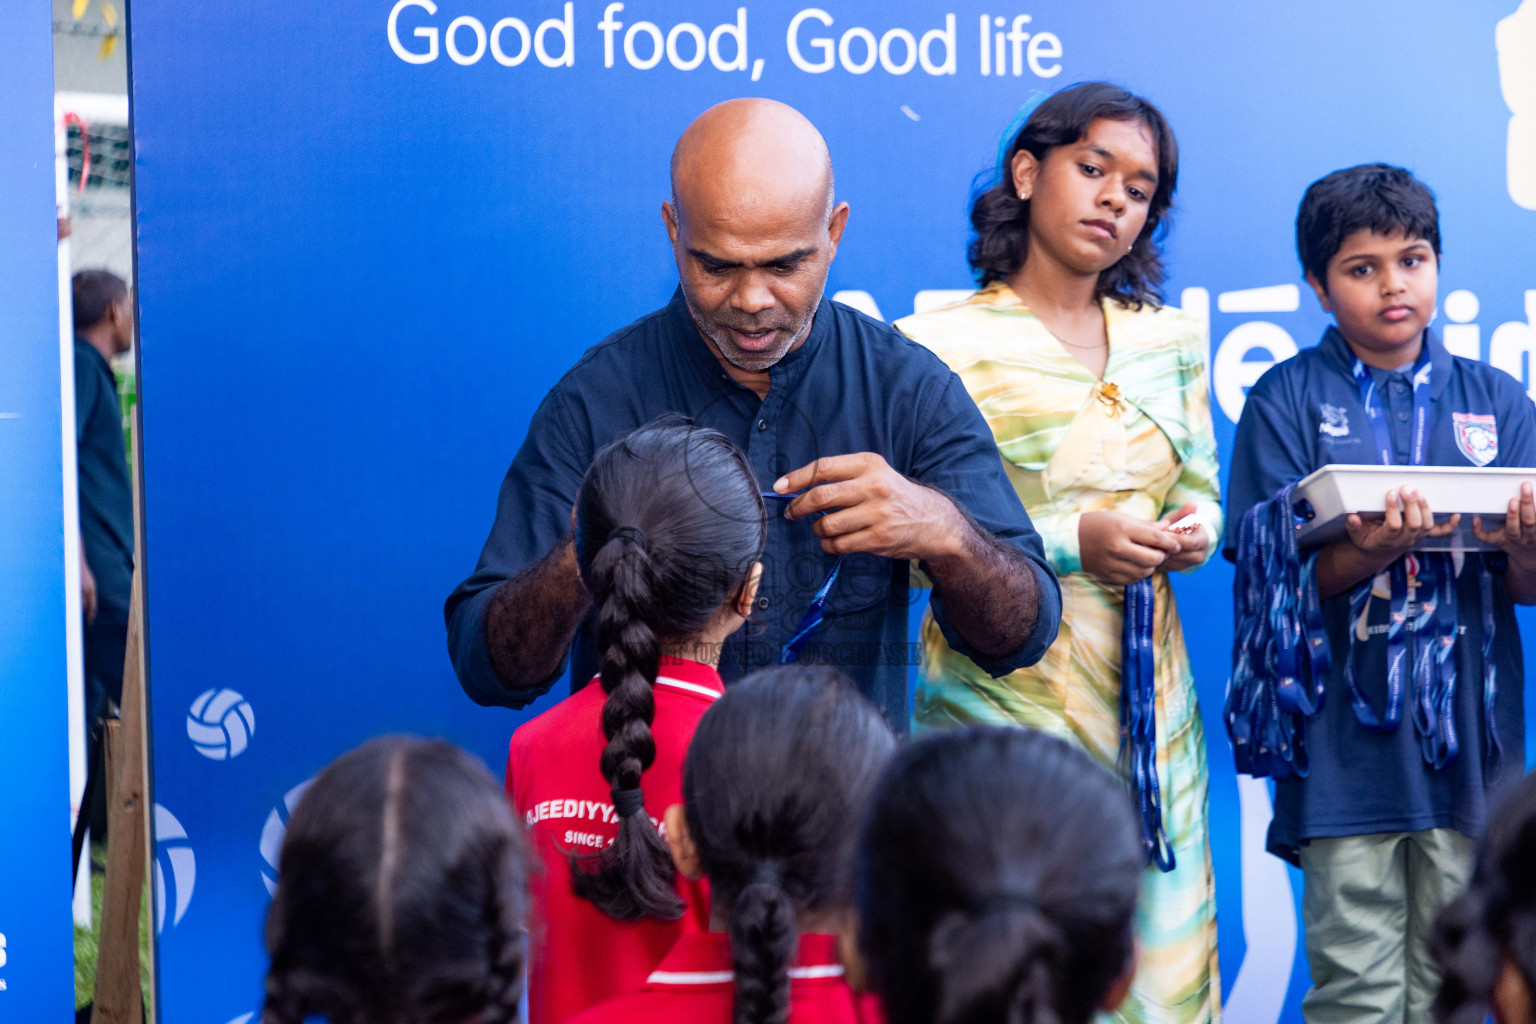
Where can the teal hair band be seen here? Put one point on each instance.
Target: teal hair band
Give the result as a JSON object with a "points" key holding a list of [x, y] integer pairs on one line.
{"points": [[1015, 126]]}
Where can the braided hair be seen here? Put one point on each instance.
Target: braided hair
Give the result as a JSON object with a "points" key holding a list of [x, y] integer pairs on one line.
{"points": [[997, 881], [1492, 927], [775, 782], [669, 524], [401, 893]]}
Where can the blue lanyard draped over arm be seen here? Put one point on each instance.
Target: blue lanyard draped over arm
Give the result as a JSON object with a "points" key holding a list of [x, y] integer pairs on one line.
{"points": [[1280, 652]]}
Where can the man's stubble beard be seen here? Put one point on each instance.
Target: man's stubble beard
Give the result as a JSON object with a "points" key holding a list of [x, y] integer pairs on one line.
{"points": [[750, 362]]}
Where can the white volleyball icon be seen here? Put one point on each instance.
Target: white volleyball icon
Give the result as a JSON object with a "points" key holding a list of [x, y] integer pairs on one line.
{"points": [[273, 831], [220, 724], [175, 868]]}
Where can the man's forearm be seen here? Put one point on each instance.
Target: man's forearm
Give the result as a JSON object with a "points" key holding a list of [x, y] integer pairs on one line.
{"points": [[532, 617], [990, 592]]}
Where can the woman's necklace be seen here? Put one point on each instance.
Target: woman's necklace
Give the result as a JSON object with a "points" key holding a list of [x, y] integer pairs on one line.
{"points": [[1062, 341], [1069, 344]]}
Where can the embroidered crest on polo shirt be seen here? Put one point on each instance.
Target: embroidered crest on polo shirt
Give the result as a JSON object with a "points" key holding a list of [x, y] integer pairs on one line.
{"points": [[1335, 421], [1477, 437]]}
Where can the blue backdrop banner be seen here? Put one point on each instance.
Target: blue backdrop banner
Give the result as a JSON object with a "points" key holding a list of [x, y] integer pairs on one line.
{"points": [[37, 978], [371, 234]]}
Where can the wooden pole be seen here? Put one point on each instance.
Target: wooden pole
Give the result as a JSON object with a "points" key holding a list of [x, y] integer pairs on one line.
{"points": [[119, 998]]}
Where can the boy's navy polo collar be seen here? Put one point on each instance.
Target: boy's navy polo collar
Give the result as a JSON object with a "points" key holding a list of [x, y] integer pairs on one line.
{"points": [[1337, 351], [785, 373]]}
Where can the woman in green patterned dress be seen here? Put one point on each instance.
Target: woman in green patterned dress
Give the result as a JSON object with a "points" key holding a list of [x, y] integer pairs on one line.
{"points": [[1096, 394]]}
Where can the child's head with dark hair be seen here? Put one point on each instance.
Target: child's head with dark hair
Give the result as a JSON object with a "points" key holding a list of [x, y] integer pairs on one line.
{"points": [[1089, 179], [1485, 941], [776, 781], [997, 881], [669, 528], [1369, 241], [401, 893], [1371, 197]]}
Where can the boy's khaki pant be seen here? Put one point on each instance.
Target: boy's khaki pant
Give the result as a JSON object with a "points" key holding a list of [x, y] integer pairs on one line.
{"points": [[1369, 907]]}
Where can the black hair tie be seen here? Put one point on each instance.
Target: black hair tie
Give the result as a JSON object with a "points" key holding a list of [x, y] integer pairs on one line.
{"points": [[766, 873], [1004, 899], [627, 802], [633, 534]]}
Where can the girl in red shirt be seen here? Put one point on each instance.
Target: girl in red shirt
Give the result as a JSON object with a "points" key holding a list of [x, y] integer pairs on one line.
{"points": [[669, 526], [997, 881], [774, 788]]}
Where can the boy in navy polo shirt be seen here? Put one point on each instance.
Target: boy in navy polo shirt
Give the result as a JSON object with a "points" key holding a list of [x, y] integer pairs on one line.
{"points": [[1400, 760]]}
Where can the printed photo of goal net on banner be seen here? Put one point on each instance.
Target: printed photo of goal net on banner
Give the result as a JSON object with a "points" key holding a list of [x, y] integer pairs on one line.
{"points": [[371, 234]]}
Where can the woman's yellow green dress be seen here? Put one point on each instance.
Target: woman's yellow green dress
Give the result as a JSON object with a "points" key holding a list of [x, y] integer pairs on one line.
{"points": [[1138, 441]]}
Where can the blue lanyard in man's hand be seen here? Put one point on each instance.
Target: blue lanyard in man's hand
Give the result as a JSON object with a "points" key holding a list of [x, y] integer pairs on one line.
{"points": [[814, 615]]}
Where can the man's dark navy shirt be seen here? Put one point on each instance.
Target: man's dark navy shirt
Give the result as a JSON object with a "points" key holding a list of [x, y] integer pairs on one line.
{"points": [[854, 385], [106, 496], [1306, 413]]}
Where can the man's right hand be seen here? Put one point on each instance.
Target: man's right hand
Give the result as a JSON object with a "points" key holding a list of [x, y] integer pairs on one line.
{"points": [[1119, 549], [87, 589]]}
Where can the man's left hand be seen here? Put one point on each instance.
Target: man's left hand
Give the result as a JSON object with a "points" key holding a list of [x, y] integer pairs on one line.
{"points": [[873, 509]]}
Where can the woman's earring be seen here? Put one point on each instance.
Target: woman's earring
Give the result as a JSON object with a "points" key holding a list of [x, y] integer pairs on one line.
{"points": [[1023, 196]]}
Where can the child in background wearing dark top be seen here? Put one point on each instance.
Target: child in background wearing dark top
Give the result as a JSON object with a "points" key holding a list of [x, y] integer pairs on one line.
{"points": [[997, 882], [401, 893], [775, 785], [1485, 942], [1380, 812], [669, 525]]}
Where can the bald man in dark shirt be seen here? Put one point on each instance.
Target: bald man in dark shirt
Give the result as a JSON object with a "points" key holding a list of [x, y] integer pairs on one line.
{"points": [[877, 437]]}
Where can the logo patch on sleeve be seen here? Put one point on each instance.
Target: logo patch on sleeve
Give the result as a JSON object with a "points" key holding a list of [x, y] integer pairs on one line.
{"points": [[1477, 437]]}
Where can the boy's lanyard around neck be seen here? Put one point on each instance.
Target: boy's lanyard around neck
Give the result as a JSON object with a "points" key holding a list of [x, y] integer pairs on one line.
{"points": [[1366, 384], [1421, 650]]}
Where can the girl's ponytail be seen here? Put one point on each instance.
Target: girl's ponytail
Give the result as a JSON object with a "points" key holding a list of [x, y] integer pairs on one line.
{"points": [[997, 881], [763, 941], [999, 962], [633, 876], [775, 783]]}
